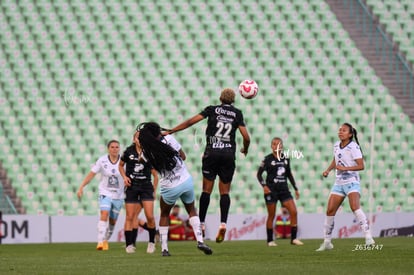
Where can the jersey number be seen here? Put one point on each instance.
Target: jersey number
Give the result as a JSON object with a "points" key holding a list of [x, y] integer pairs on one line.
{"points": [[223, 127]]}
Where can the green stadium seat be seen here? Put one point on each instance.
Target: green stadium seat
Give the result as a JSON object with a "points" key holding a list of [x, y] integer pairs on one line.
{"points": [[154, 56]]}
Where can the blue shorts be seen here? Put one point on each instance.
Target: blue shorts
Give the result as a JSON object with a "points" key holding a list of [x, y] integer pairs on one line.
{"points": [[184, 191], [345, 189], [110, 205]]}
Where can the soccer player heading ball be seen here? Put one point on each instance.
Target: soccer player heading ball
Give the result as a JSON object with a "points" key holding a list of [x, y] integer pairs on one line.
{"points": [[219, 158]]}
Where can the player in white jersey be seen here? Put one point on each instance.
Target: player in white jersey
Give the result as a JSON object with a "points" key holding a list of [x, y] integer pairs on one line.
{"points": [[166, 156], [111, 192], [348, 160]]}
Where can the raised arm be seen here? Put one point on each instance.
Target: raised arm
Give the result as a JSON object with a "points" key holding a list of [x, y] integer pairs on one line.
{"points": [[186, 124]]}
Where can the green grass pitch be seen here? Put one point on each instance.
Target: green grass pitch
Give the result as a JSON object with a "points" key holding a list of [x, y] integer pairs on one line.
{"points": [[389, 256]]}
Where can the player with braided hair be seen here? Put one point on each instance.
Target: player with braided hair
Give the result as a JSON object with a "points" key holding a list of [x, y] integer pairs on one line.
{"points": [[166, 156], [139, 194]]}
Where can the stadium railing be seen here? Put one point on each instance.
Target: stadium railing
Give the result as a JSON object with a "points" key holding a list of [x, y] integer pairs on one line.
{"points": [[6, 205]]}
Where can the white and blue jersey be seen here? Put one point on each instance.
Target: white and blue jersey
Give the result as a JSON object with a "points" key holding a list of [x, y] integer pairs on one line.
{"points": [[178, 183], [346, 156], [180, 173], [111, 183]]}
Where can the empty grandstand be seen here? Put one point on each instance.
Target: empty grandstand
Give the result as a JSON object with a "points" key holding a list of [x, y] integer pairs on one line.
{"points": [[75, 74]]}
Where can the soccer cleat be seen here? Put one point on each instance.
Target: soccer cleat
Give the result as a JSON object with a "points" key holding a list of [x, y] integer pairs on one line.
{"points": [[296, 242], [165, 253], [325, 246], [221, 234], [151, 248], [369, 241], [130, 249], [205, 248], [105, 245], [100, 246], [272, 243]]}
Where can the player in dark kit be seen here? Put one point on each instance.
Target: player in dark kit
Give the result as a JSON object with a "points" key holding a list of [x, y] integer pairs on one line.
{"points": [[139, 193], [277, 167], [219, 156]]}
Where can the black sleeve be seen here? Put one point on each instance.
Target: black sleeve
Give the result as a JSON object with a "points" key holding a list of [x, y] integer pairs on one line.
{"points": [[241, 120], [259, 174], [206, 112], [290, 176]]}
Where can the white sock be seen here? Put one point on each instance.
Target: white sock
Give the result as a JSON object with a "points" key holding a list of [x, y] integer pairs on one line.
{"points": [[196, 225], [328, 228], [164, 237], [101, 231], [109, 231], [363, 222]]}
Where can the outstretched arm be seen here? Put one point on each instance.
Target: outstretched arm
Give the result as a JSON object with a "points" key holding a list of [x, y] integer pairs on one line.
{"points": [[186, 124]]}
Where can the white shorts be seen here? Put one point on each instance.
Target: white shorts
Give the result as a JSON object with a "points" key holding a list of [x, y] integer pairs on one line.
{"points": [[184, 191], [344, 189]]}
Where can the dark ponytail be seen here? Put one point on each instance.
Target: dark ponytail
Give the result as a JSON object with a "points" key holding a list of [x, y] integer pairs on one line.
{"points": [[161, 156], [354, 134]]}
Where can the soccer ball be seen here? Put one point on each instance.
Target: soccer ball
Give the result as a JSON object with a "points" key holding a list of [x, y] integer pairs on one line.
{"points": [[248, 88]]}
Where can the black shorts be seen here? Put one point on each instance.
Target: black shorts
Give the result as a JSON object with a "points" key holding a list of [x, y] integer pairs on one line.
{"points": [[139, 193], [275, 196], [220, 164]]}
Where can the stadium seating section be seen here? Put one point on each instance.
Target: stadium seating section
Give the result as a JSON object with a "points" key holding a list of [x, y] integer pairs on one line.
{"points": [[75, 74], [397, 17]]}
